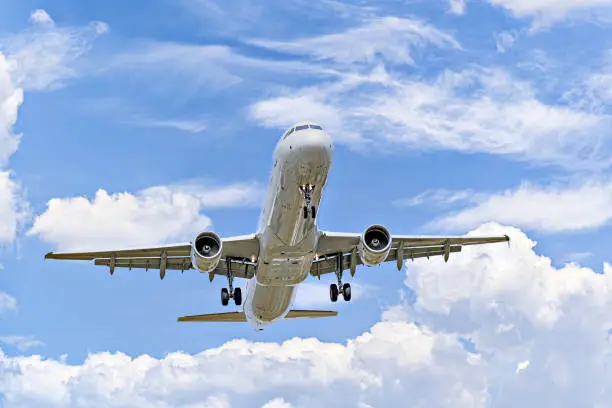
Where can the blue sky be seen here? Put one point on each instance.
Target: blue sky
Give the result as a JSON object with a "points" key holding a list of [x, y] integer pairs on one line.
{"points": [[146, 122]]}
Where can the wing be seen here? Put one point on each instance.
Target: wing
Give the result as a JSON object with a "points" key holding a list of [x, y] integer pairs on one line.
{"points": [[339, 250], [175, 256]]}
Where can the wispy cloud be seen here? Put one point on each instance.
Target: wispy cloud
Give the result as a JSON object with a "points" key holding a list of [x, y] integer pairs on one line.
{"points": [[183, 125], [46, 54], [390, 38], [21, 343], [548, 209], [545, 12], [472, 110], [7, 302]]}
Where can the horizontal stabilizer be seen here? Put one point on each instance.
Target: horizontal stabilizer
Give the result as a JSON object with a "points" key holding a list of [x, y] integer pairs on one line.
{"points": [[215, 317], [240, 317], [299, 314]]}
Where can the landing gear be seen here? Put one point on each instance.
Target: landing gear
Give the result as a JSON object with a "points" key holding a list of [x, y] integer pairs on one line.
{"points": [[333, 292], [307, 190], [227, 294], [334, 289]]}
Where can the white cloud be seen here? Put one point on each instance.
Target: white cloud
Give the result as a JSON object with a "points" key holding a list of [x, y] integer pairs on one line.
{"points": [[14, 210], [7, 302], [45, 55], [457, 6], [546, 12], [155, 215], [11, 98], [183, 125], [548, 209], [197, 66], [474, 110], [21, 343], [391, 38], [40, 16], [505, 40], [540, 336], [438, 197], [277, 403]]}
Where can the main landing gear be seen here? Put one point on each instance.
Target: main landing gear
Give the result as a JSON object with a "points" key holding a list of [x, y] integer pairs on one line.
{"points": [[334, 289], [307, 190], [231, 293]]}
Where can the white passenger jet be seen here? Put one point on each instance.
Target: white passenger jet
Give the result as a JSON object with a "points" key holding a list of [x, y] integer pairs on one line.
{"points": [[287, 247]]}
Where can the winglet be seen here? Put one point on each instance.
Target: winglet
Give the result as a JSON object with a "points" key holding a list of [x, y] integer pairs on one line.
{"points": [[507, 239]]}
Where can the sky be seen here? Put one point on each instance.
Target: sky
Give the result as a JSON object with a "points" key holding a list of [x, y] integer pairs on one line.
{"points": [[145, 122]]}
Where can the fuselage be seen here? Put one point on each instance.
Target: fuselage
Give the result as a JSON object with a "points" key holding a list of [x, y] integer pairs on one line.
{"points": [[288, 238]]}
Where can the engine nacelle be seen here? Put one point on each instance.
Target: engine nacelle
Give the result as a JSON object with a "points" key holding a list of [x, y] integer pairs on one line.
{"points": [[374, 245], [206, 251]]}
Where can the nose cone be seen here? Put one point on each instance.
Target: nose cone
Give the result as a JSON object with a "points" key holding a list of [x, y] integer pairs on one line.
{"points": [[312, 143]]}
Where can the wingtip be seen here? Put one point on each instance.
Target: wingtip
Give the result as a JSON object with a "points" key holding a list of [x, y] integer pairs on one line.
{"points": [[49, 255]]}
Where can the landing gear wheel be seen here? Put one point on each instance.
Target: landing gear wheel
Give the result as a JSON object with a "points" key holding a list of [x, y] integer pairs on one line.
{"points": [[305, 212], [238, 296], [333, 292], [313, 211], [225, 296], [346, 292]]}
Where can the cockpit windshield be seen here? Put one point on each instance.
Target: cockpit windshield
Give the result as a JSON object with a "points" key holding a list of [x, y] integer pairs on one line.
{"points": [[301, 127]]}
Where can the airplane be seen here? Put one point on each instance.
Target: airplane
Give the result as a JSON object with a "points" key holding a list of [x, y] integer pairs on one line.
{"points": [[288, 245]]}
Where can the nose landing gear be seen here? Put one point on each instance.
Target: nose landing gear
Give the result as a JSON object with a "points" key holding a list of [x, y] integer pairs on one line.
{"points": [[307, 190]]}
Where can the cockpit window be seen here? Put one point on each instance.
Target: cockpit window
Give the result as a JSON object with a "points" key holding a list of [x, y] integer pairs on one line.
{"points": [[301, 127], [316, 127], [290, 131]]}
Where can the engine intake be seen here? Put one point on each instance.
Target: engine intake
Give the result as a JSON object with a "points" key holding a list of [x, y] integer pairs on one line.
{"points": [[206, 251], [374, 245]]}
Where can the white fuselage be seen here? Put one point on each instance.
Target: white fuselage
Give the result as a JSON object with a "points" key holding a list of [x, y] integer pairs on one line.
{"points": [[288, 241]]}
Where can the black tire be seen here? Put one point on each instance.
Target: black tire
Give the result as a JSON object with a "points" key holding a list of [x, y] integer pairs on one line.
{"points": [[238, 296], [333, 292], [313, 211], [224, 297], [305, 212], [346, 292]]}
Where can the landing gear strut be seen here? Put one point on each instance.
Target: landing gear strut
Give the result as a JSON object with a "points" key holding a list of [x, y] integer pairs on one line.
{"points": [[334, 289], [307, 190], [227, 294]]}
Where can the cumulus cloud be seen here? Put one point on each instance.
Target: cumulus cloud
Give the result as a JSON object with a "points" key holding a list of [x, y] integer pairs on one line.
{"points": [[472, 110], [530, 206], [538, 335], [155, 215], [46, 54]]}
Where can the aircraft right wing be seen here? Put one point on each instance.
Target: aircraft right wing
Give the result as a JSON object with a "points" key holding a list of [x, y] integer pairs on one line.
{"points": [[338, 250]]}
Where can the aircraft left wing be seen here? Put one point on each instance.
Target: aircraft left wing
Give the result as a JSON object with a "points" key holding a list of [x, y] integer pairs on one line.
{"points": [[241, 250], [337, 250]]}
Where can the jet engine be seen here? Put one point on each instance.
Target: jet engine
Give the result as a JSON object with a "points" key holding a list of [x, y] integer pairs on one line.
{"points": [[206, 251], [374, 245]]}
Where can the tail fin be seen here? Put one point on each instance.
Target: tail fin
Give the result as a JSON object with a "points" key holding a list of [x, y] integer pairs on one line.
{"points": [[240, 317]]}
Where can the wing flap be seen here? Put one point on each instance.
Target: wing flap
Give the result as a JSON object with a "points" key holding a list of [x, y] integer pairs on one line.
{"points": [[328, 264]]}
